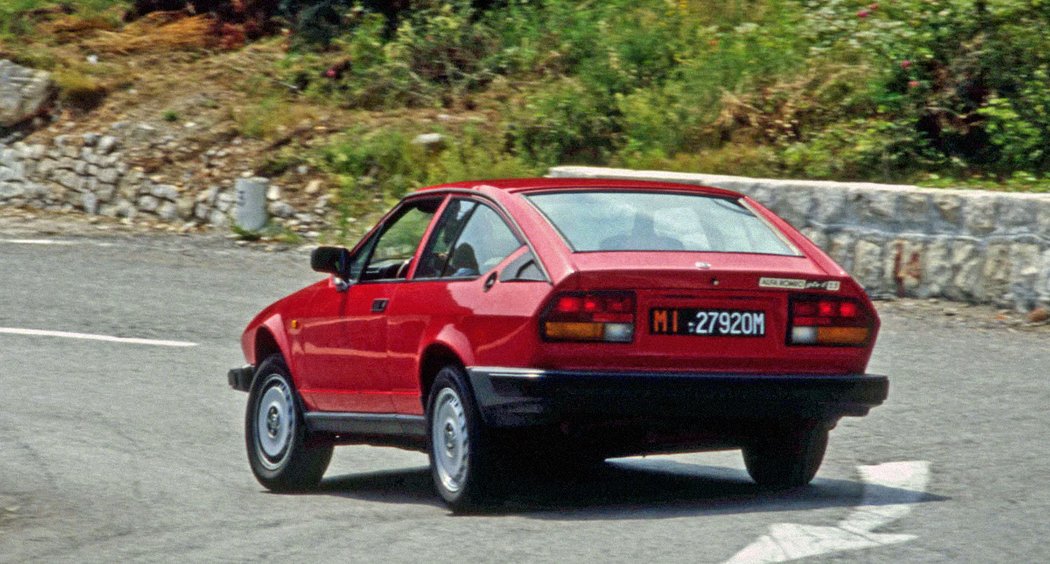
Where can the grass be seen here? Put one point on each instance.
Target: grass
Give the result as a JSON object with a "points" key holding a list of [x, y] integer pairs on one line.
{"points": [[913, 91], [271, 116], [20, 18]]}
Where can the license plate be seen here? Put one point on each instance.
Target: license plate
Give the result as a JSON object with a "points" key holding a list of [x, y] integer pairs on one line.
{"points": [[707, 322]]}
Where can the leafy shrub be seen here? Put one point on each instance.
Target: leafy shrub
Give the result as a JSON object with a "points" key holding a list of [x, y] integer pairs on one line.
{"points": [[383, 164], [562, 123], [433, 58]]}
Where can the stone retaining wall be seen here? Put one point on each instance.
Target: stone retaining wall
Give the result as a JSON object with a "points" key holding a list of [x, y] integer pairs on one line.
{"points": [[89, 173], [964, 245]]}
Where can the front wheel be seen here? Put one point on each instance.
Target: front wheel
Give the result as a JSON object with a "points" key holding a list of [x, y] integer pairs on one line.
{"points": [[462, 460], [281, 452], [786, 459]]}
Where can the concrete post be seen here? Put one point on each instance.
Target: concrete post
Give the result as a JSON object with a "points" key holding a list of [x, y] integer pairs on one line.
{"points": [[249, 213]]}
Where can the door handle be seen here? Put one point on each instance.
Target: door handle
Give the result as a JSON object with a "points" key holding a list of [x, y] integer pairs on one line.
{"points": [[379, 305], [491, 281]]}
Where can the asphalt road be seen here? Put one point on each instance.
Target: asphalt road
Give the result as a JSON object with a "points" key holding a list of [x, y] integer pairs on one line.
{"points": [[117, 451]]}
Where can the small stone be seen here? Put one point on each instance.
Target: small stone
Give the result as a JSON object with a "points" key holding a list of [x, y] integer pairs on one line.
{"points": [[90, 139], [281, 209], [225, 201], [168, 211], [165, 191], [108, 175], [69, 180], [218, 219], [302, 170], [313, 187], [185, 207], [430, 141], [106, 144], [273, 193], [148, 203]]}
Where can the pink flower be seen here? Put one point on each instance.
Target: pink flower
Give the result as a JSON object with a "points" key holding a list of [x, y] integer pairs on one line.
{"points": [[862, 13], [913, 84], [873, 6], [330, 73], [905, 64]]}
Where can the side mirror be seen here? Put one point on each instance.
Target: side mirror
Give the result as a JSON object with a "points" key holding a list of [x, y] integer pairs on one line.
{"points": [[333, 260]]}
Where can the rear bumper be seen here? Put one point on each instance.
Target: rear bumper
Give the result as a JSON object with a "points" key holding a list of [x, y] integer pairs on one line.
{"points": [[510, 397]]}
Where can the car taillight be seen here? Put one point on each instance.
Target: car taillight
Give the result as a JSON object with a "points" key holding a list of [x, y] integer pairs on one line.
{"points": [[589, 316], [826, 321]]}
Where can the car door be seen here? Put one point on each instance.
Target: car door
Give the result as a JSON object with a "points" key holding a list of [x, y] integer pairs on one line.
{"points": [[455, 289], [345, 349]]}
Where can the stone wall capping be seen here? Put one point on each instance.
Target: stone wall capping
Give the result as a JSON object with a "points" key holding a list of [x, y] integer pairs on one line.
{"points": [[900, 240]]}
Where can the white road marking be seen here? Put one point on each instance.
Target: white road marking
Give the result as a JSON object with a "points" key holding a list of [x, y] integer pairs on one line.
{"points": [[36, 242], [890, 490], [91, 337]]}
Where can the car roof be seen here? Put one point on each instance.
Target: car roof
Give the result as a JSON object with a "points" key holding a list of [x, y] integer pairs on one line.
{"points": [[541, 184]]}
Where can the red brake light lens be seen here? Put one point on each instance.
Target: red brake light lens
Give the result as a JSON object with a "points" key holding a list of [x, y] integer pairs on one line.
{"points": [[590, 316], [568, 304], [829, 322], [848, 309]]}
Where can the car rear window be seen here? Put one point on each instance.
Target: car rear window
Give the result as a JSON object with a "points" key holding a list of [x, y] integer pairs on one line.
{"points": [[596, 220]]}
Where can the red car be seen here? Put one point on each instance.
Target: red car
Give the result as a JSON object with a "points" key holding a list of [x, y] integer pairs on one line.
{"points": [[495, 323]]}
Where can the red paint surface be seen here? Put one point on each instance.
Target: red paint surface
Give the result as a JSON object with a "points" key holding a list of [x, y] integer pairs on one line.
{"points": [[344, 357]]}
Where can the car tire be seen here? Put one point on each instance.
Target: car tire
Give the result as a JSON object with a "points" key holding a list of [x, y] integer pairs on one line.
{"points": [[786, 459], [463, 459], [283, 455]]}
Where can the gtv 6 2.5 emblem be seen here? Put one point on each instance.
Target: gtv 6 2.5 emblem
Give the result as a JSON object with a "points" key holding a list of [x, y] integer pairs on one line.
{"points": [[798, 284]]}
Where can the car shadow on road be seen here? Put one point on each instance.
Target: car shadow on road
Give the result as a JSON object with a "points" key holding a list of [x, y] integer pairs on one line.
{"points": [[630, 489]]}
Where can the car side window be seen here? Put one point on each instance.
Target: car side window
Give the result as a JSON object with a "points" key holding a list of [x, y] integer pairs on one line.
{"points": [[448, 230], [470, 239], [391, 254], [357, 262], [485, 242]]}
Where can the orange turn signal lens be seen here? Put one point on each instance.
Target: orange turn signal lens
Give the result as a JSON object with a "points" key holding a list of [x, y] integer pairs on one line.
{"points": [[575, 330], [842, 335]]}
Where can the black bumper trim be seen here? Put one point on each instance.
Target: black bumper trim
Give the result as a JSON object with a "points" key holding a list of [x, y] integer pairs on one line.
{"points": [[511, 397], [240, 379]]}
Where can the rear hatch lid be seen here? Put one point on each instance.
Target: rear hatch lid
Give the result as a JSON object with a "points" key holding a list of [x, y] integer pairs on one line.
{"points": [[711, 312]]}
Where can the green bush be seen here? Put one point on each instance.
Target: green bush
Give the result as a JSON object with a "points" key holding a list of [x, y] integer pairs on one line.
{"points": [[382, 165], [892, 91], [564, 123]]}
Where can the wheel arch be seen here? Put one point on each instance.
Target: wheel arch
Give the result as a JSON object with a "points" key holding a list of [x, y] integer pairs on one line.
{"points": [[267, 338], [434, 358], [266, 345]]}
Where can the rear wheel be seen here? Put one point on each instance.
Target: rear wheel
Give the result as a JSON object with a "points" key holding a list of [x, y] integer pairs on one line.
{"points": [[282, 454], [786, 459], [462, 458]]}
